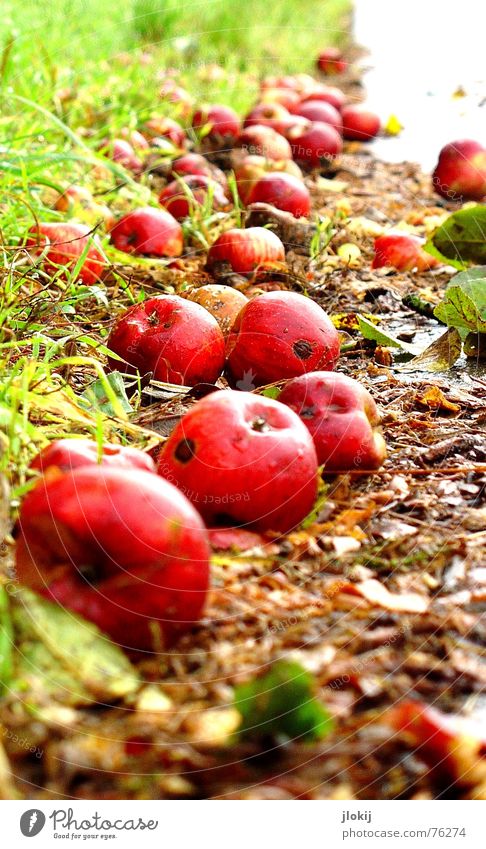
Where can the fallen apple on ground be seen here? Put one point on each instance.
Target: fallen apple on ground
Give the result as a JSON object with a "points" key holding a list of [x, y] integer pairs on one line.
{"points": [[332, 61], [175, 339], [223, 302], [69, 454], [221, 122], [317, 145], [197, 164], [256, 467], [342, 418], [79, 203], [121, 547], [267, 114], [180, 197], [359, 123], [246, 250], [149, 232], [279, 335], [461, 171], [260, 140], [250, 169], [319, 110], [64, 245], [326, 93], [402, 251], [166, 128], [120, 150], [284, 192]]}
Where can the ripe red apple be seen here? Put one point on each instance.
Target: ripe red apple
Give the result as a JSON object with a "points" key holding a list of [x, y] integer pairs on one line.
{"points": [[359, 122], [79, 203], [223, 302], [246, 250], [180, 99], [331, 61], [326, 93], [223, 121], [243, 459], [280, 335], [137, 141], [178, 341], [267, 115], [121, 547], [320, 143], [196, 163], [403, 252], [249, 169], [319, 110], [148, 231], [64, 244], [283, 191], [260, 140], [180, 204], [286, 82], [120, 150], [69, 454], [461, 171], [342, 418], [166, 128]]}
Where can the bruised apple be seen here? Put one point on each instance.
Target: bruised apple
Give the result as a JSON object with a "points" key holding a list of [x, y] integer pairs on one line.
{"points": [[69, 454], [64, 245], [243, 459], [121, 547], [342, 418], [279, 335], [284, 192], [246, 250], [461, 171], [148, 231], [175, 339], [402, 251], [223, 302]]}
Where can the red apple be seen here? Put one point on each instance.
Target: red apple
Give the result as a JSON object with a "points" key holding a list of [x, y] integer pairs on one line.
{"points": [[69, 454], [178, 341], [283, 191], [326, 93], [166, 128], [137, 141], [403, 252], [319, 110], [461, 171], [260, 140], [267, 115], [243, 459], [223, 302], [294, 126], [120, 150], [250, 169], [180, 203], [320, 143], [121, 547], [180, 99], [246, 250], [223, 122], [64, 244], [285, 96], [280, 335], [341, 417], [148, 231], [196, 163], [359, 123], [331, 61], [286, 82]]}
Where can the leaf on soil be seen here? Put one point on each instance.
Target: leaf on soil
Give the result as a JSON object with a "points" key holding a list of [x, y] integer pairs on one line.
{"points": [[282, 702], [375, 334], [461, 238], [376, 593], [440, 355], [61, 656], [434, 399], [464, 304], [96, 395]]}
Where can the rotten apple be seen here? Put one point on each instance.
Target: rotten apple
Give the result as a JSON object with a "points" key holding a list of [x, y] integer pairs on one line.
{"points": [[64, 244], [178, 341], [359, 123], [148, 231], [69, 454], [223, 302], [342, 418], [246, 250], [461, 171], [243, 459], [402, 251], [280, 335], [180, 200], [284, 192], [121, 547]]}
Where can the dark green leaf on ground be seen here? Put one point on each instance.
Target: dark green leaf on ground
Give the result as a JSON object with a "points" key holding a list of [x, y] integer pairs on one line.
{"points": [[461, 238]]}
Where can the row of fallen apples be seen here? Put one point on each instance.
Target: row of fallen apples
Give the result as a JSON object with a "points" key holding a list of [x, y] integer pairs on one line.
{"points": [[124, 541]]}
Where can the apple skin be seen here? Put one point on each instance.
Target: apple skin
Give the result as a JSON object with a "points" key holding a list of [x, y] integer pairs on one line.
{"points": [[121, 151], [294, 126], [402, 251], [69, 454], [250, 169], [223, 302], [223, 121], [341, 417], [246, 250], [320, 142], [136, 139], [266, 115], [257, 467], [331, 61], [461, 171], [259, 140], [166, 128], [175, 200], [121, 547], [284, 192], [66, 243], [178, 341], [328, 94], [196, 164], [359, 123], [319, 110], [148, 231], [79, 203], [277, 336]]}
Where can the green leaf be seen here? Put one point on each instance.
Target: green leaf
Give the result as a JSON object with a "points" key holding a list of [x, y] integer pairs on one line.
{"points": [[464, 304], [6, 640], [371, 331], [96, 395], [281, 702], [461, 238], [440, 355], [271, 391], [61, 657]]}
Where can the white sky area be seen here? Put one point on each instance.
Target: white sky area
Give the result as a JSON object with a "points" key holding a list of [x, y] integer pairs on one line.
{"points": [[421, 51]]}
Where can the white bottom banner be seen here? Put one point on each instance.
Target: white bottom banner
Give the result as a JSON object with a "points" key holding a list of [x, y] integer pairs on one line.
{"points": [[217, 825]]}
